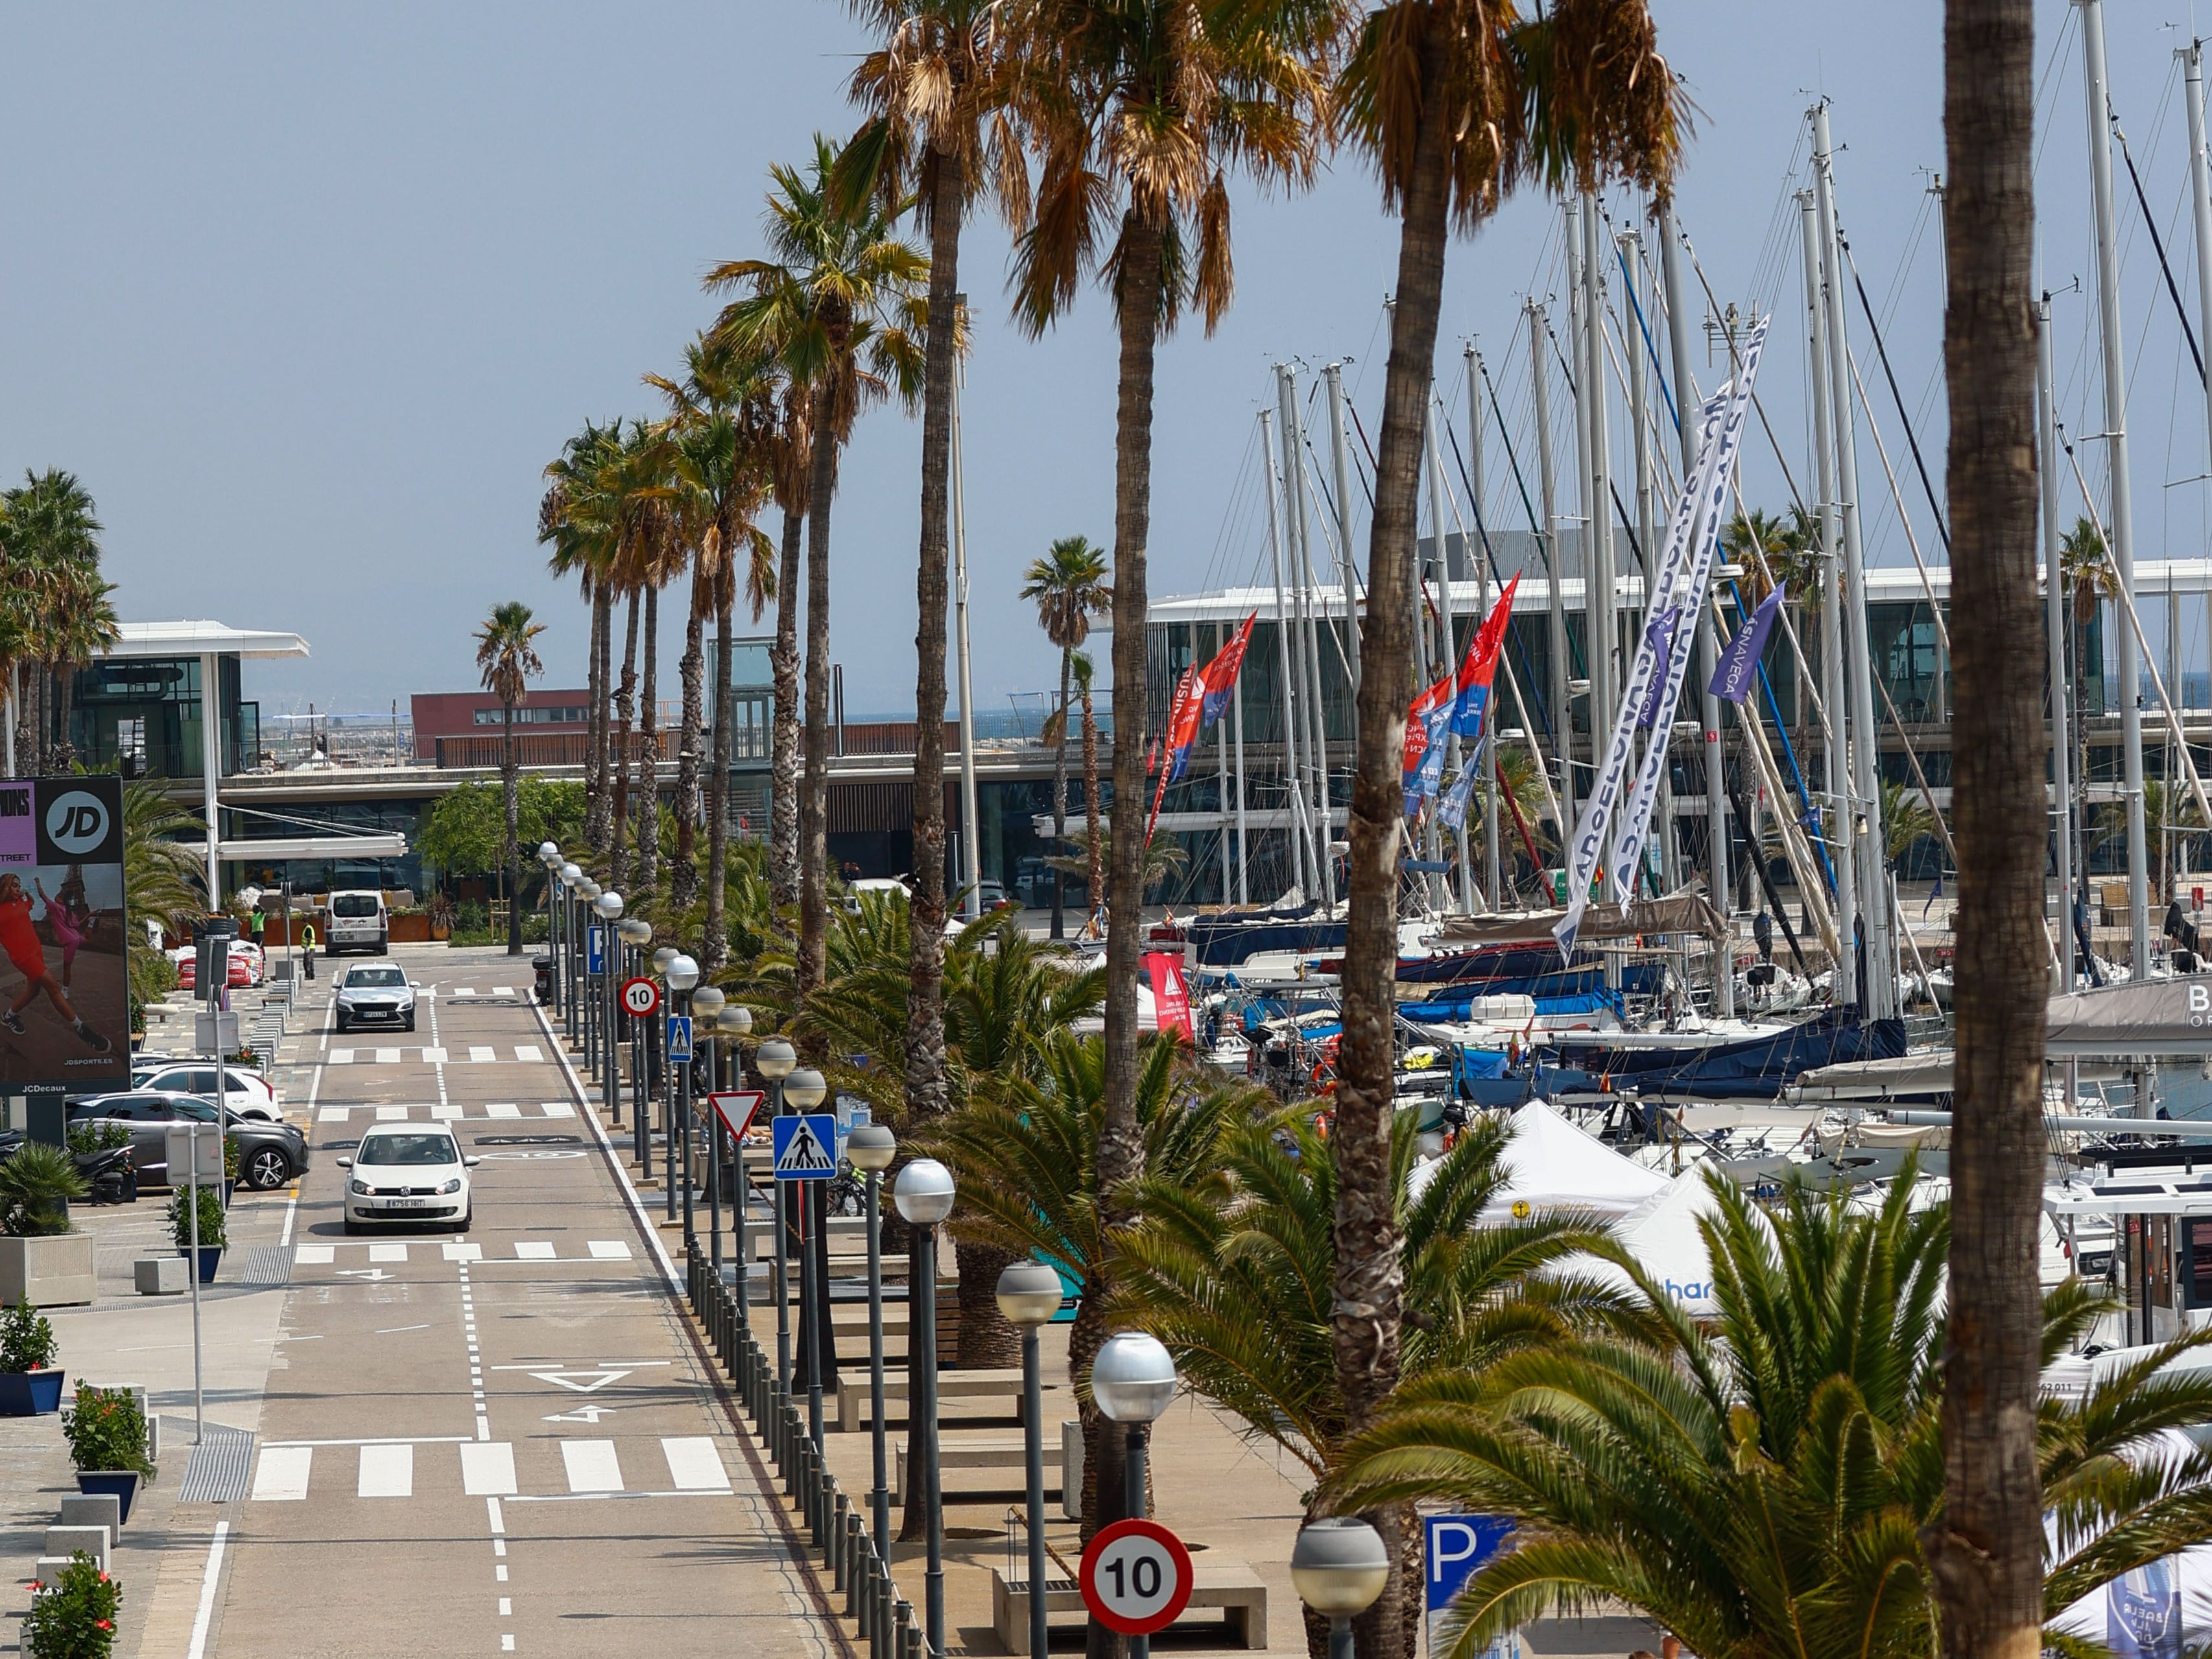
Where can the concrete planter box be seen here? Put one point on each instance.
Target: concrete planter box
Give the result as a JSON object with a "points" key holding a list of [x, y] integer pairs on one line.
{"points": [[409, 929], [48, 1272]]}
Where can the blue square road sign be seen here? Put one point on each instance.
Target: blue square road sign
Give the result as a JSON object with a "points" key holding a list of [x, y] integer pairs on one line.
{"points": [[679, 1037], [805, 1146], [595, 949]]}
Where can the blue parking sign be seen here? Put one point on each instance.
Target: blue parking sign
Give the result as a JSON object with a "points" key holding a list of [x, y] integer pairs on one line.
{"points": [[595, 949], [679, 1037], [1454, 1547]]}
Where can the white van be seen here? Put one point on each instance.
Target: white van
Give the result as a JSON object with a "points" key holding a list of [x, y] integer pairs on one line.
{"points": [[357, 921]]}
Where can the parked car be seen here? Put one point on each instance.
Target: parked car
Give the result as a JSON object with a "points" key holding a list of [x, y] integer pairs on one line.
{"points": [[374, 994], [269, 1154], [248, 1093], [408, 1173], [244, 966], [357, 921]]}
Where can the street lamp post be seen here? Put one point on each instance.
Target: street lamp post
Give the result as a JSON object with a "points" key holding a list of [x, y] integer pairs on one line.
{"points": [[587, 1000], [1029, 1296], [609, 907], [1133, 1381], [571, 876], [805, 1091], [682, 974], [775, 1060], [924, 1195], [1339, 1566], [633, 932], [548, 855], [731, 1022], [706, 1009], [871, 1147], [664, 958]]}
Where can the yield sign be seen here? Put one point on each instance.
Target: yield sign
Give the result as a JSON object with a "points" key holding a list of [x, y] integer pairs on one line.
{"points": [[583, 1382], [736, 1108]]}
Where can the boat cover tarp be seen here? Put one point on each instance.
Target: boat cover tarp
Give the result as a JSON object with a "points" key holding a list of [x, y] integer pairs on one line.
{"points": [[1678, 912], [1216, 942], [2156, 1016], [1756, 1067], [1908, 1077], [1566, 985]]}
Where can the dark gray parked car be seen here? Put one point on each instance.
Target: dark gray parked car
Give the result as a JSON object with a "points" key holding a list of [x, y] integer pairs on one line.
{"points": [[269, 1154]]}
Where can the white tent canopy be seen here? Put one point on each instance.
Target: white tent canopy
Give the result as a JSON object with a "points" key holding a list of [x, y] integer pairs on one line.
{"points": [[1551, 1165]]}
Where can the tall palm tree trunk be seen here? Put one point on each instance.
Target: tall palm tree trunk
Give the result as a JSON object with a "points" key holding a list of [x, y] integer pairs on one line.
{"points": [[1370, 1286], [783, 735], [65, 701], [1988, 1555], [649, 751], [1060, 799], [717, 941], [1098, 853], [683, 873], [926, 1097], [618, 752], [600, 823], [510, 784], [814, 792], [1120, 1144]]}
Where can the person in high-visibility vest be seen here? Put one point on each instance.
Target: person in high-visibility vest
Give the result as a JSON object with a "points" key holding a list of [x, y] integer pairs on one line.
{"points": [[307, 946]]}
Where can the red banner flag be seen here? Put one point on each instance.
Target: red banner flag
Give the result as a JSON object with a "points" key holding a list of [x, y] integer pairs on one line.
{"points": [[1170, 995]]}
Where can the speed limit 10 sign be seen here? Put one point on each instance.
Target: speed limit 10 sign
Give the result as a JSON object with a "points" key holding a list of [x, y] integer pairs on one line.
{"points": [[1136, 1578], [641, 996]]}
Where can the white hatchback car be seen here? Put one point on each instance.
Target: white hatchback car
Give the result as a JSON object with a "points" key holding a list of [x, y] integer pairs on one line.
{"points": [[408, 1174]]}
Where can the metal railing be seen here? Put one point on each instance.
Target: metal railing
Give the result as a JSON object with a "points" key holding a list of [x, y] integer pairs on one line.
{"points": [[854, 1560]]}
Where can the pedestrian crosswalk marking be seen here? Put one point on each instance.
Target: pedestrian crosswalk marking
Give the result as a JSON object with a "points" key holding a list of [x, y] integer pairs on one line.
{"points": [[444, 1111], [487, 1470], [483, 1056], [503, 1112], [282, 1474], [387, 1056], [462, 1249], [392, 1114], [591, 1465], [386, 1472], [502, 990], [459, 1250], [313, 1255], [559, 1109], [480, 1054], [434, 1056], [387, 1252], [694, 1465], [608, 1250], [528, 1054], [465, 990], [341, 1057], [532, 1250]]}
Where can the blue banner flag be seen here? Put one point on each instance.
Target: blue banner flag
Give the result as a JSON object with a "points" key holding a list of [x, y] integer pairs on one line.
{"points": [[1739, 666]]}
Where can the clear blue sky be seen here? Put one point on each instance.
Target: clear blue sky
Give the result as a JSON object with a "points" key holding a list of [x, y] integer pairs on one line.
{"points": [[308, 296]]}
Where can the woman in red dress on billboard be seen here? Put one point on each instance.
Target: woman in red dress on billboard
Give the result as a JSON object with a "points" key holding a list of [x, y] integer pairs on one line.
{"points": [[20, 939]]}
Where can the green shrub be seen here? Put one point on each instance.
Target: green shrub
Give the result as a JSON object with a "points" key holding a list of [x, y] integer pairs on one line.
{"points": [[90, 1134], [76, 1617], [36, 1185], [26, 1339], [106, 1431], [212, 1219]]}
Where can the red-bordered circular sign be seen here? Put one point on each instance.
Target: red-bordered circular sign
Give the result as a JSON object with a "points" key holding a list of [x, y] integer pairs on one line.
{"points": [[641, 996], [1136, 1578]]}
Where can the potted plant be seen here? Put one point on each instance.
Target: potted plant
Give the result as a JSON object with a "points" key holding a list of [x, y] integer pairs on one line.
{"points": [[42, 1260], [75, 1618], [213, 1237], [107, 1435], [30, 1382]]}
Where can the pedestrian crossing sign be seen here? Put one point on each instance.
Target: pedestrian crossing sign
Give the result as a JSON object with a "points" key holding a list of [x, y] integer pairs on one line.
{"points": [[804, 1146], [679, 1037]]}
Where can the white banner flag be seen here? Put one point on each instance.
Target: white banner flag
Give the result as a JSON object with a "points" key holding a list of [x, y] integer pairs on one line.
{"points": [[1588, 844], [1636, 823]]}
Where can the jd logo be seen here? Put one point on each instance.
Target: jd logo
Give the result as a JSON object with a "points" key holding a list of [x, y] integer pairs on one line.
{"points": [[76, 822]]}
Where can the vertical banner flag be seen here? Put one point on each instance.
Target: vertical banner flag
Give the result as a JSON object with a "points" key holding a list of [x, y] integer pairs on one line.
{"points": [[1425, 721], [1659, 638], [1635, 826], [1454, 705], [1170, 995], [1183, 713], [1221, 673], [1739, 665], [1474, 706], [1590, 834]]}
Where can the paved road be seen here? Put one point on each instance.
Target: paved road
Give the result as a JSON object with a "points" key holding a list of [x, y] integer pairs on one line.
{"points": [[506, 1443]]}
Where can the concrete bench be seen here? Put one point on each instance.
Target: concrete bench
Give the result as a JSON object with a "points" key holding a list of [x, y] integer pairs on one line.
{"points": [[853, 1399], [1229, 1587], [986, 1468]]}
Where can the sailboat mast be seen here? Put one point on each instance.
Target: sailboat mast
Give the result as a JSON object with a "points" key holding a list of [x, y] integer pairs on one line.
{"points": [[2122, 515], [1599, 630], [1881, 988], [1555, 582], [1450, 666], [2200, 203], [1716, 818], [1836, 820], [971, 840], [1339, 466], [1639, 425], [1487, 746], [1309, 610], [1299, 847]]}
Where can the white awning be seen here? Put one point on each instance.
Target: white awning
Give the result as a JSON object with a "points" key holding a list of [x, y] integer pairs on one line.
{"points": [[195, 639], [393, 845]]}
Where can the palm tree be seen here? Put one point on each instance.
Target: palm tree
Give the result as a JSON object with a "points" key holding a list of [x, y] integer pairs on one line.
{"points": [[1988, 1554], [719, 419], [1457, 104], [1768, 1481], [2091, 577], [1030, 1164], [1095, 891], [938, 134], [1905, 817], [576, 517], [61, 612], [1140, 109], [508, 658], [1234, 1271], [163, 879], [1161, 859], [841, 289], [1069, 587]]}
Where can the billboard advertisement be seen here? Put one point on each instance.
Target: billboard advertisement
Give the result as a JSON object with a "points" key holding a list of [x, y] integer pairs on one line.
{"points": [[65, 994]]}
